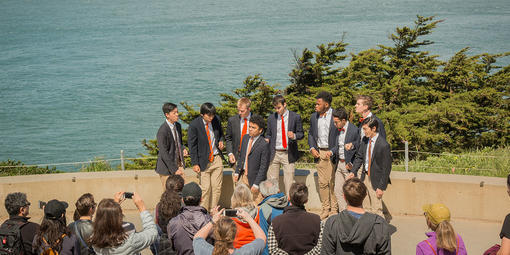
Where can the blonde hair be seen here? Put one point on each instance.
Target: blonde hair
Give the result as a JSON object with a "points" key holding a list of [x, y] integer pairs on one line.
{"points": [[224, 234], [244, 101], [446, 237], [242, 197]]}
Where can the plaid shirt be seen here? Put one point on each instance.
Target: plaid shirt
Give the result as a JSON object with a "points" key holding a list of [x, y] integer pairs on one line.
{"points": [[272, 243]]}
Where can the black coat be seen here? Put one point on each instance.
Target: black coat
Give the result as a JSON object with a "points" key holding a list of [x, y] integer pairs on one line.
{"points": [[199, 144], [295, 125], [381, 163], [258, 160], [233, 135], [352, 136], [167, 156], [313, 134]]}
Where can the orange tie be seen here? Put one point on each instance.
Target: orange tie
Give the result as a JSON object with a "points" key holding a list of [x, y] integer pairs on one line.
{"points": [[246, 158], [245, 128], [210, 145], [369, 155], [284, 137]]}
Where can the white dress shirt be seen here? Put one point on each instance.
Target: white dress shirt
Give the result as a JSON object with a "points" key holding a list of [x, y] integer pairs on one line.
{"points": [[323, 124], [341, 142], [279, 144], [172, 127], [372, 145]]}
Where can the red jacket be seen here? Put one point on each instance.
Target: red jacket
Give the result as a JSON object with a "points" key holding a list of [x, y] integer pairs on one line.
{"points": [[244, 234]]}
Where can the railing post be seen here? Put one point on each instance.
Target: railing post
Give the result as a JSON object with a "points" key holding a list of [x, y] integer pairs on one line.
{"points": [[406, 162], [122, 160]]}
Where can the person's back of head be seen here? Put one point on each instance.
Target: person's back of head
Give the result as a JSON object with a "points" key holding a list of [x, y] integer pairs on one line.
{"points": [[269, 187], [168, 207], [242, 197], [224, 235], [175, 183], [355, 192], [15, 203], [108, 230], [191, 194], [53, 225], [85, 206], [438, 219], [298, 194]]}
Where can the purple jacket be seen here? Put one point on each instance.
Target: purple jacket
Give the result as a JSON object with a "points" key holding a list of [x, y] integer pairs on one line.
{"points": [[182, 228], [423, 247]]}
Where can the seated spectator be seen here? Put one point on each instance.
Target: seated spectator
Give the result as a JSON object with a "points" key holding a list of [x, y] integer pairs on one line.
{"points": [[192, 217], [296, 231], [443, 239], [505, 230], [353, 230], [82, 227], [272, 204], [243, 199], [18, 208], [53, 235], [224, 231], [112, 236]]}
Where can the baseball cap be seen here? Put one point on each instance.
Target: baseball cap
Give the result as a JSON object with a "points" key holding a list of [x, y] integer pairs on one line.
{"points": [[437, 213], [192, 190], [54, 209]]}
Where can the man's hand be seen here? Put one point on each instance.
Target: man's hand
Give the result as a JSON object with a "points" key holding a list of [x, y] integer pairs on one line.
{"points": [[328, 155], [231, 158], [196, 169], [180, 171], [379, 193], [185, 153], [315, 153], [221, 145], [236, 177], [348, 166], [267, 140], [216, 215], [119, 197], [291, 135], [349, 146], [350, 175], [254, 189]]}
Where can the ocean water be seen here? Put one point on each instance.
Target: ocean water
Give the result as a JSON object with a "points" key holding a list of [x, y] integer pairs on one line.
{"points": [[87, 78]]}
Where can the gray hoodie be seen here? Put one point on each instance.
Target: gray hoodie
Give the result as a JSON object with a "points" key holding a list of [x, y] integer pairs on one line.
{"points": [[182, 228], [135, 242], [344, 234]]}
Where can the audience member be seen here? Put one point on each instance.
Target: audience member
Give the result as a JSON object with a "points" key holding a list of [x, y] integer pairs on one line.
{"points": [[353, 230], [243, 199], [296, 231], [53, 235], [443, 239], [112, 236], [272, 204], [192, 217], [224, 231], [505, 230], [18, 208], [82, 227]]}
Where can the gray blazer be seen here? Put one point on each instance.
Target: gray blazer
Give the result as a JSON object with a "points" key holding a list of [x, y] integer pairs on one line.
{"points": [[352, 136], [381, 163], [167, 156], [258, 160], [295, 125]]}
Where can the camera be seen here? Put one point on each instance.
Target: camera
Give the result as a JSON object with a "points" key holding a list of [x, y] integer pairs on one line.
{"points": [[230, 212], [128, 195]]}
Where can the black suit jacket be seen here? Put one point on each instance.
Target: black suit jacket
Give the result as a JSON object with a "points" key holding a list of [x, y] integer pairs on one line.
{"points": [[352, 136], [258, 160], [313, 134], [381, 163], [380, 128], [199, 144], [295, 125], [167, 156], [233, 135]]}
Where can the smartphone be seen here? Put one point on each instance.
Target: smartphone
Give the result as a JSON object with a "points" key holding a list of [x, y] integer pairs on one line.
{"points": [[41, 204], [128, 195], [230, 212]]}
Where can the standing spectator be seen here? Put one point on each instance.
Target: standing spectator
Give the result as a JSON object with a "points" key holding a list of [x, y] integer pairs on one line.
{"points": [[322, 139], [110, 235], [82, 227], [192, 217], [443, 240], [205, 141], [53, 235], [171, 151], [353, 230], [243, 199], [363, 107], [505, 230], [271, 206], [18, 208], [296, 231], [224, 230], [284, 129]]}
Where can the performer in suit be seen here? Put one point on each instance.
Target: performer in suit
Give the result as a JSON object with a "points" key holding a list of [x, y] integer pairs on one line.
{"points": [[321, 139], [346, 144], [171, 152], [254, 158], [237, 127], [284, 129], [205, 142], [374, 155], [363, 107]]}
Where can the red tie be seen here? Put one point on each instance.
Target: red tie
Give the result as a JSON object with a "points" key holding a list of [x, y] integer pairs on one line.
{"points": [[245, 128], [341, 129], [246, 158], [210, 145], [361, 119], [284, 137], [369, 156]]}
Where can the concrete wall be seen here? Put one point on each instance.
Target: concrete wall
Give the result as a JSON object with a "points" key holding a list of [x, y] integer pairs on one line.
{"points": [[464, 195]]}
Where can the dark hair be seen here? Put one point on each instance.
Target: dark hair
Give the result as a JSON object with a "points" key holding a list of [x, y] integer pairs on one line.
{"points": [[208, 109], [175, 183], [325, 96], [355, 192], [340, 113], [367, 100], [107, 228], [168, 107], [224, 234], [371, 122], [259, 121], [52, 230], [298, 194], [278, 99], [191, 201], [168, 207], [14, 202], [84, 204]]}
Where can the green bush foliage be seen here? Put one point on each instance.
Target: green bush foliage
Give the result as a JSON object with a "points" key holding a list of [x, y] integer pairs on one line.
{"points": [[12, 168]]}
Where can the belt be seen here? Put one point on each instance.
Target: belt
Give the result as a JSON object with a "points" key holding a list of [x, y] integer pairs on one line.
{"points": [[324, 149], [342, 160], [281, 149]]}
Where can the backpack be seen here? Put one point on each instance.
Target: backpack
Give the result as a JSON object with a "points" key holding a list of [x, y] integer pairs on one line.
{"points": [[11, 241], [47, 250]]}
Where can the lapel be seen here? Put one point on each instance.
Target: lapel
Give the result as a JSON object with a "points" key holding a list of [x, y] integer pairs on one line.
{"points": [[203, 127], [237, 125], [316, 120], [255, 144], [170, 135], [351, 131], [290, 119], [376, 145]]}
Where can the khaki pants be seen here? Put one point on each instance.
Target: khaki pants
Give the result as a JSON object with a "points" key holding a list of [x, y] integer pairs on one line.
{"points": [[281, 158], [371, 203], [326, 183], [341, 174], [210, 182]]}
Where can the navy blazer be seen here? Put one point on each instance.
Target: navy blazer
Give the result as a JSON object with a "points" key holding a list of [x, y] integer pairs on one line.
{"points": [[233, 135], [167, 158], [199, 144], [313, 133], [352, 136], [381, 163], [295, 125], [258, 160]]}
